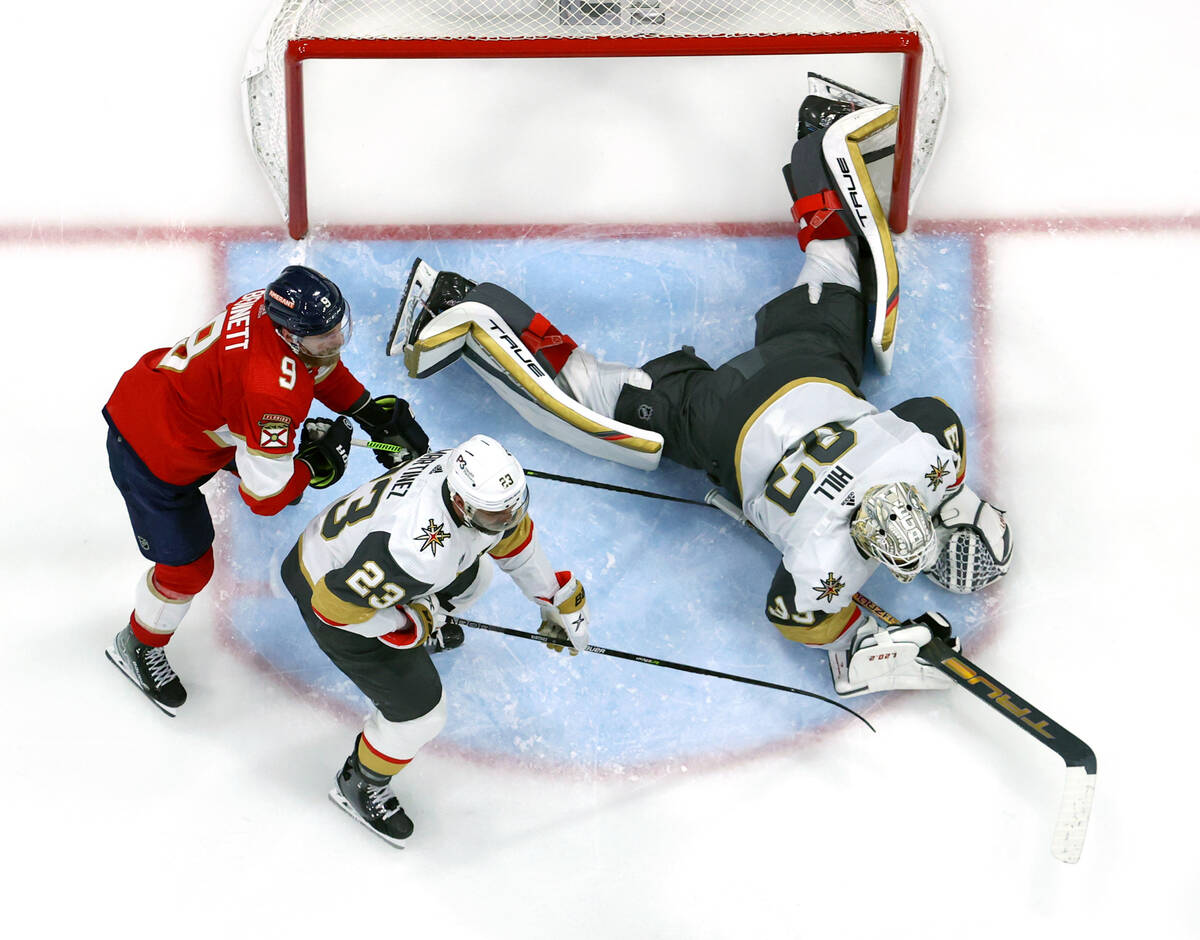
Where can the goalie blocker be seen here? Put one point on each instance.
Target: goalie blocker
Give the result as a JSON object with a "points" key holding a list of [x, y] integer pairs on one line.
{"points": [[443, 316]]}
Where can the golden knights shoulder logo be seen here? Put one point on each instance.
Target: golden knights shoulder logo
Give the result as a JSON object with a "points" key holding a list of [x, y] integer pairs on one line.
{"points": [[829, 587], [433, 537], [937, 473]]}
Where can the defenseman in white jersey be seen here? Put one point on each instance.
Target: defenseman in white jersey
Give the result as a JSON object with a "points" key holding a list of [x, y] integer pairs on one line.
{"points": [[374, 576], [838, 486]]}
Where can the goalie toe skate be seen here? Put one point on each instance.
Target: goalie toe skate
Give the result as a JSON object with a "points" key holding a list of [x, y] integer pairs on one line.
{"points": [[148, 669], [427, 293]]}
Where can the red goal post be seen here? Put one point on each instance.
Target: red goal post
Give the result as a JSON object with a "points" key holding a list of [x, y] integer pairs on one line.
{"points": [[301, 30]]}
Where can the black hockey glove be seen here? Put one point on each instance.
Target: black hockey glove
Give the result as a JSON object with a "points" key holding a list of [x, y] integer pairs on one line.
{"points": [[325, 447], [939, 628], [448, 636], [389, 420]]}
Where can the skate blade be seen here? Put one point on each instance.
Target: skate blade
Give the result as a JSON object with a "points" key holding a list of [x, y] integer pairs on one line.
{"points": [[335, 796], [412, 305], [115, 658]]}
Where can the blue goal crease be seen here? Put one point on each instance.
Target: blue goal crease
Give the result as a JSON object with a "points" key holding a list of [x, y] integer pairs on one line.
{"points": [[681, 583]]}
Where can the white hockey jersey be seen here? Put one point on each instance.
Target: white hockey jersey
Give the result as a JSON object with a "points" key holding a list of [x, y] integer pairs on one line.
{"points": [[396, 539], [803, 462]]}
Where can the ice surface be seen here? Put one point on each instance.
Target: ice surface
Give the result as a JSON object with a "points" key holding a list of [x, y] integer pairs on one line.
{"points": [[132, 209]]}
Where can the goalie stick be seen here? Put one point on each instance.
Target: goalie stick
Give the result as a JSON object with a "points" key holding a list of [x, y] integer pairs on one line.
{"points": [[1075, 807]]}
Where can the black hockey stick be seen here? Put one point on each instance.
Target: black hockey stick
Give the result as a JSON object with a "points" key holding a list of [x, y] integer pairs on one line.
{"points": [[651, 661], [544, 475], [1075, 808]]}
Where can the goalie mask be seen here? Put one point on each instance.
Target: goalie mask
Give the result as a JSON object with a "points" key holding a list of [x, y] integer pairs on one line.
{"points": [[487, 485], [893, 526]]}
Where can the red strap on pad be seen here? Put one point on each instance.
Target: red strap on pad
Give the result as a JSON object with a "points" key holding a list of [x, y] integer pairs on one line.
{"points": [[543, 336], [819, 212]]}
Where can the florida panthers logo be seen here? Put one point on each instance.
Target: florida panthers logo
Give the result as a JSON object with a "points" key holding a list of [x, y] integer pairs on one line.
{"points": [[829, 587], [274, 430], [433, 537]]}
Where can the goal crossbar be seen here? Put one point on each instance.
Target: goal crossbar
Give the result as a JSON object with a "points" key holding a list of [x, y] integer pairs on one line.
{"points": [[906, 44]]}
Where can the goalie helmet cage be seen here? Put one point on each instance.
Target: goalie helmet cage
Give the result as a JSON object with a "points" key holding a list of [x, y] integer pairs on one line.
{"points": [[297, 30]]}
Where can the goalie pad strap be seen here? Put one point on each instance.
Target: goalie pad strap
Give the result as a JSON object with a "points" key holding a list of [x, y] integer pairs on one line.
{"points": [[542, 336], [819, 214]]}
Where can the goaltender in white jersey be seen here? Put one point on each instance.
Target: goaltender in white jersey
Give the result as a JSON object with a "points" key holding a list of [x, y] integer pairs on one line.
{"points": [[837, 485], [374, 575]]}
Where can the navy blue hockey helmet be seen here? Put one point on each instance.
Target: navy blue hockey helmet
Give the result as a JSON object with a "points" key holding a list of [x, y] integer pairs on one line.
{"points": [[311, 314], [304, 302]]}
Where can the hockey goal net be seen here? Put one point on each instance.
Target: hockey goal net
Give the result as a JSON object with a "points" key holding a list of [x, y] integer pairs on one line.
{"points": [[300, 30]]}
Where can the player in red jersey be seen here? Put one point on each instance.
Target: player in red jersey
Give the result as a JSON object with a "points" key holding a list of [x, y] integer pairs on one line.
{"points": [[234, 395]]}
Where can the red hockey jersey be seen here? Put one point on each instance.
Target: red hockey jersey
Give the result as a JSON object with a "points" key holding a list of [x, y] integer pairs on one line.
{"points": [[231, 390]]}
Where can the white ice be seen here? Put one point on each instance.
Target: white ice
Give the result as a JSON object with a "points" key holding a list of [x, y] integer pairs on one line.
{"points": [[1068, 148]]}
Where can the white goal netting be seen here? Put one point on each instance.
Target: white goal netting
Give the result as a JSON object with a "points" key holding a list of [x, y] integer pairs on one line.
{"points": [[862, 23]]}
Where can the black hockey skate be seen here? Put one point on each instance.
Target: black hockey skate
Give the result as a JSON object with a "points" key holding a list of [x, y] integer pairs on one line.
{"points": [[817, 113], [148, 669], [369, 799]]}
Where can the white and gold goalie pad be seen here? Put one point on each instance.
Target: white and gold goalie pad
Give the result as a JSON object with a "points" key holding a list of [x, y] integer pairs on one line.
{"points": [[475, 331], [843, 150]]}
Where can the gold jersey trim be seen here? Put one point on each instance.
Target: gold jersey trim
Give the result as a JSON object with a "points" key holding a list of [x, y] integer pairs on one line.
{"points": [[519, 536], [325, 602], [821, 633]]}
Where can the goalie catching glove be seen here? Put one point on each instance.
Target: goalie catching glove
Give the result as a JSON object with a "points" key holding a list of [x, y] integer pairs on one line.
{"points": [[325, 448], [975, 544], [565, 615], [389, 420]]}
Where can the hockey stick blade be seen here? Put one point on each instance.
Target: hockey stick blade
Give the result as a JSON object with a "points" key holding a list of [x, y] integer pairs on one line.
{"points": [[651, 661], [1075, 808]]}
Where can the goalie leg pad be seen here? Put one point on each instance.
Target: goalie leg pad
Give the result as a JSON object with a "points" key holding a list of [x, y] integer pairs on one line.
{"points": [[549, 345], [485, 336], [834, 197]]}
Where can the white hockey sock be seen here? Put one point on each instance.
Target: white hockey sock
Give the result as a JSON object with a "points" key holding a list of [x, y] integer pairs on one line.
{"points": [[829, 261], [595, 384], [156, 613], [399, 741]]}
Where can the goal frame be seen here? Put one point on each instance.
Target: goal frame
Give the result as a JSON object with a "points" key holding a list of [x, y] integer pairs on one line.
{"points": [[907, 44]]}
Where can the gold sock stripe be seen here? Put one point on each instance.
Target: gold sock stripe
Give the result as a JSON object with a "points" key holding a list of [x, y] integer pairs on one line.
{"points": [[374, 761]]}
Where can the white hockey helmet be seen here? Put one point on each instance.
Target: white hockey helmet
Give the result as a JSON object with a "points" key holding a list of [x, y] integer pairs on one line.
{"points": [[893, 526], [487, 484]]}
